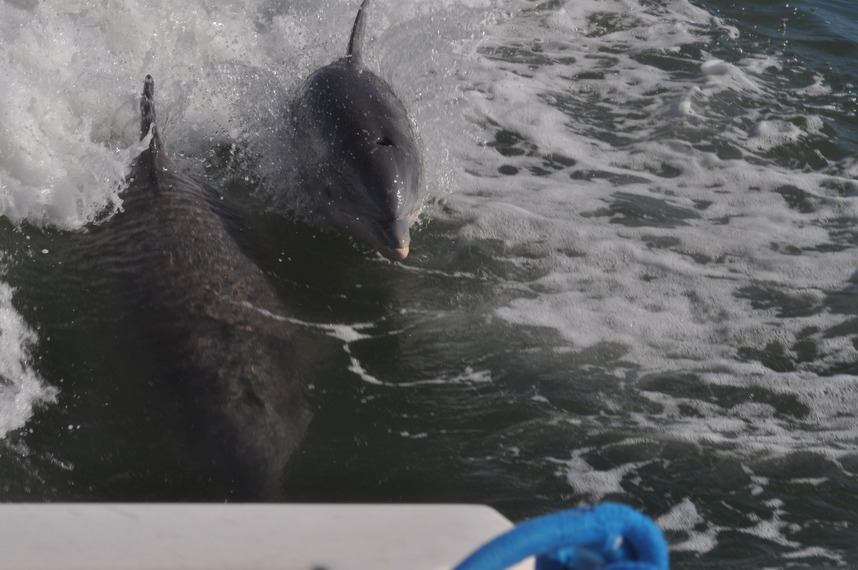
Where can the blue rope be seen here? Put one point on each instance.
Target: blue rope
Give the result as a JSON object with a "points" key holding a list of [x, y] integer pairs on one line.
{"points": [[609, 536]]}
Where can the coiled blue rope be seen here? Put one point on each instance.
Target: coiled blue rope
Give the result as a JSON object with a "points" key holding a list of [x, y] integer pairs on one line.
{"points": [[609, 536]]}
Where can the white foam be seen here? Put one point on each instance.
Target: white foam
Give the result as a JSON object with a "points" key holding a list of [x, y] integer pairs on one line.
{"points": [[817, 552], [768, 134], [669, 308], [596, 484], [53, 167], [21, 388], [685, 518], [731, 255], [350, 334]]}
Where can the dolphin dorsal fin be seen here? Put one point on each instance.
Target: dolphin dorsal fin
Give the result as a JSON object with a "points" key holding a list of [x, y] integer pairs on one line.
{"points": [[357, 34], [147, 115], [147, 125], [147, 106]]}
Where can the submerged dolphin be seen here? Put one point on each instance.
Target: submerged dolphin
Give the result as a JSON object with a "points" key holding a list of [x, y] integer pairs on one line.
{"points": [[360, 161], [211, 314]]}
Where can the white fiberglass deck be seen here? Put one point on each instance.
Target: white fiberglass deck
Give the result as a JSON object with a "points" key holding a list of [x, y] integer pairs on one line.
{"points": [[243, 536]]}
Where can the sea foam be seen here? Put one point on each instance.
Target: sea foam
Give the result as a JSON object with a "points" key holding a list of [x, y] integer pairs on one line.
{"points": [[21, 388]]}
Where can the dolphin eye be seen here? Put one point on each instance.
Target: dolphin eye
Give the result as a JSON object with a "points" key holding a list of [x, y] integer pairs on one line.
{"points": [[384, 141]]}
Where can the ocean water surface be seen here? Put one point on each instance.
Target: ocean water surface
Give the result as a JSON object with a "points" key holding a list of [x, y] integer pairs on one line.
{"points": [[635, 277]]}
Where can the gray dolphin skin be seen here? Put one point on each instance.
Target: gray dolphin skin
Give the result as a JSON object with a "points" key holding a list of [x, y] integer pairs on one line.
{"points": [[214, 320], [360, 161]]}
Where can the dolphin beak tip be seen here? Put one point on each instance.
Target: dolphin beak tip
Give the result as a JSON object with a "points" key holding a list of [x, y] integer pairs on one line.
{"points": [[398, 240], [397, 254]]}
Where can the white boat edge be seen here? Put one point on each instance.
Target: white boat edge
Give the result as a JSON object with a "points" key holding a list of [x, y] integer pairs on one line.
{"points": [[167, 536]]}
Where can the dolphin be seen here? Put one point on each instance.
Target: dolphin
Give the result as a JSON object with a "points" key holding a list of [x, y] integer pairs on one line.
{"points": [[213, 318], [360, 162]]}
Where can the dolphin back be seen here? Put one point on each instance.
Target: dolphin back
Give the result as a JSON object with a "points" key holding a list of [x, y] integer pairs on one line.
{"points": [[211, 321]]}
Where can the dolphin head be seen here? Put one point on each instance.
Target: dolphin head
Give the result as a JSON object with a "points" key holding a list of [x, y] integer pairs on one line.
{"points": [[380, 199], [362, 153]]}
